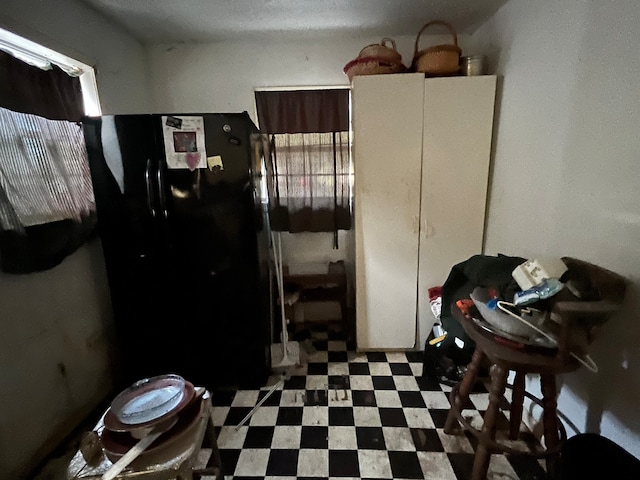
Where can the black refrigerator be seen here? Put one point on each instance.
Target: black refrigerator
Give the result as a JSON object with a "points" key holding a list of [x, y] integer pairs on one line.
{"points": [[185, 245]]}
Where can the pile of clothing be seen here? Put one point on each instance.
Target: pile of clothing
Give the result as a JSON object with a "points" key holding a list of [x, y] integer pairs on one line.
{"points": [[446, 360]]}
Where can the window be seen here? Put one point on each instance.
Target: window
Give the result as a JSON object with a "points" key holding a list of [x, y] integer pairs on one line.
{"points": [[307, 168], [309, 179], [46, 195], [42, 57]]}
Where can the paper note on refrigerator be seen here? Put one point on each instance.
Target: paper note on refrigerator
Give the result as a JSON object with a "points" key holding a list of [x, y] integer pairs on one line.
{"points": [[184, 144], [215, 163]]}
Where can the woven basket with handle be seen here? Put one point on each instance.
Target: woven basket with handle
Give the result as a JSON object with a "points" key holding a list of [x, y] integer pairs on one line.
{"points": [[438, 59], [376, 59], [382, 51], [372, 66]]}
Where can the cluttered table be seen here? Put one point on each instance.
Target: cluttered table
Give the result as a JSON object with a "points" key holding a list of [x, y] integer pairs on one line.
{"points": [[166, 444], [546, 330], [512, 352]]}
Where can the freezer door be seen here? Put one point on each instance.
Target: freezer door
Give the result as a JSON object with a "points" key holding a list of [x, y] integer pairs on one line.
{"points": [[210, 218], [123, 162], [208, 211], [123, 167]]}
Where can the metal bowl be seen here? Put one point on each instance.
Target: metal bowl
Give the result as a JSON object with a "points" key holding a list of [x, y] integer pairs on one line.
{"points": [[149, 399], [500, 320]]}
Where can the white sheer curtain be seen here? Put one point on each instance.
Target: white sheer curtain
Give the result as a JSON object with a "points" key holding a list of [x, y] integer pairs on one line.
{"points": [[312, 176], [44, 171]]}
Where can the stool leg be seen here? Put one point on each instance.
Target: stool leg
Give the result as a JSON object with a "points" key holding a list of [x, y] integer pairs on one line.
{"points": [[488, 432], [214, 464], [517, 399], [550, 420], [466, 385], [214, 461]]}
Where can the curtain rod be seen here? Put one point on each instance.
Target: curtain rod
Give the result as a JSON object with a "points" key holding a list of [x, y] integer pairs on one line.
{"points": [[38, 55], [301, 87]]}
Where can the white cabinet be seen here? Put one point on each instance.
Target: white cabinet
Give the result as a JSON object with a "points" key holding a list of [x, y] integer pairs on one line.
{"points": [[421, 156]]}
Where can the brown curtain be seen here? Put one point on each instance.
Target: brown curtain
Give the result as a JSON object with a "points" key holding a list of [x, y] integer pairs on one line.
{"points": [[46, 196], [303, 111], [48, 93], [309, 176]]}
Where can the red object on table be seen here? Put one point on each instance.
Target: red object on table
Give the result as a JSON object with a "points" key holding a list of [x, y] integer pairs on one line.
{"points": [[435, 292], [464, 305]]}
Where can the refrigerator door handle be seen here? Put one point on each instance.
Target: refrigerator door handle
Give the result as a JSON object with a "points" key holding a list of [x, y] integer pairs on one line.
{"points": [[147, 178], [161, 186]]}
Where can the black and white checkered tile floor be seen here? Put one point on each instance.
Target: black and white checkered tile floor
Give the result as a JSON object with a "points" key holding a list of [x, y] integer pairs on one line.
{"points": [[353, 415]]}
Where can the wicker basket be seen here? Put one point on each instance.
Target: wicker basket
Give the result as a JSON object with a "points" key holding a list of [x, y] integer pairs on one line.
{"points": [[372, 66], [376, 59], [439, 59], [381, 51]]}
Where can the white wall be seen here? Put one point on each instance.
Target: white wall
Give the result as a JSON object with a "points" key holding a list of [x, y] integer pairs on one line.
{"points": [[55, 348], [222, 77], [55, 355], [565, 173]]}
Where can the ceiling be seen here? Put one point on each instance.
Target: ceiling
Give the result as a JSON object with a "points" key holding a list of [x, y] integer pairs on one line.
{"points": [[169, 21]]}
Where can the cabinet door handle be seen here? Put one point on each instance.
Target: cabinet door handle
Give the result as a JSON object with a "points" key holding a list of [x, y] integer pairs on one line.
{"points": [[426, 228]]}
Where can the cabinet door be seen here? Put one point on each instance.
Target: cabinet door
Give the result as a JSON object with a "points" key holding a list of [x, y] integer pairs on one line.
{"points": [[387, 123], [458, 119]]}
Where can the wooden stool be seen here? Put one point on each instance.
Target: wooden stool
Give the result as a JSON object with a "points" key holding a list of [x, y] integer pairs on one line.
{"points": [[504, 359], [576, 319]]}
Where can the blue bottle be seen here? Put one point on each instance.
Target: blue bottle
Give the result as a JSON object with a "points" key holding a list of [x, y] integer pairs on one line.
{"points": [[548, 288]]}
